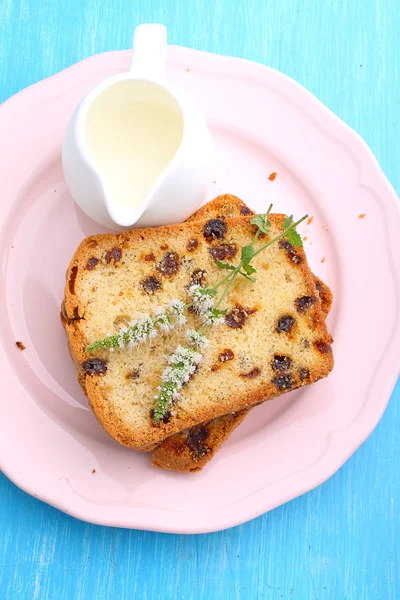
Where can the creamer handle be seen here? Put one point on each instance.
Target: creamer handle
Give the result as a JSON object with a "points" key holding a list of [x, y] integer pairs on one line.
{"points": [[149, 54]]}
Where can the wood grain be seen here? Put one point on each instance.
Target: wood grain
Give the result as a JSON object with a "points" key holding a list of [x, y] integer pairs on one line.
{"points": [[340, 541]]}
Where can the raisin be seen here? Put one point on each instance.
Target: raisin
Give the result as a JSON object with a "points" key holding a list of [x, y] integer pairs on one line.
{"points": [[281, 363], [94, 366], [169, 265], [215, 229], [222, 252], [290, 251], [114, 254], [295, 258], [237, 317], [226, 355], [285, 324], [245, 211], [76, 313], [134, 374], [166, 416], [303, 303], [197, 277], [323, 347], [149, 257], [164, 247], [253, 373], [192, 244], [91, 263], [283, 382], [285, 245], [304, 373], [72, 280], [196, 442], [151, 284], [214, 368]]}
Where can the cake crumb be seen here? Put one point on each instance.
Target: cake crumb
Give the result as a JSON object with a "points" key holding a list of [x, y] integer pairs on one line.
{"points": [[214, 182], [20, 345], [304, 238], [187, 70], [361, 216], [323, 259], [310, 220], [325, 227], [272, 176], [93, 471]]}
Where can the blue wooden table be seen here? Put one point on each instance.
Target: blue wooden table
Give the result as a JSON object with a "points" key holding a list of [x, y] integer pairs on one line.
{"points": [[342, 540]]}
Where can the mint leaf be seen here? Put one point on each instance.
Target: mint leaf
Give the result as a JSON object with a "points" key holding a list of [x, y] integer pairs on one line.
{"points": [[287, 222], [259, 221], [247, 254], [223, 265], [210, 292], [262, 222], [249, 269], [294, 238]]}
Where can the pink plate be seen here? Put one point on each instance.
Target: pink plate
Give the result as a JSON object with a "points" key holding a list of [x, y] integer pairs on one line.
{"points": [[262, 122]]}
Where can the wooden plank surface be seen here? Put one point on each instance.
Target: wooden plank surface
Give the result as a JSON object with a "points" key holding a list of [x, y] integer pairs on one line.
{"points": [[340, 541]]}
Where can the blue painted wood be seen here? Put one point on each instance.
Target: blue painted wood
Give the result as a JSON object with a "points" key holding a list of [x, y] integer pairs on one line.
{"points": [[340, 541]]}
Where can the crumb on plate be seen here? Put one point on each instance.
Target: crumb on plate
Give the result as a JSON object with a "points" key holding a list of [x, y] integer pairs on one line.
{"points": [[93, 471], [310, 220], [20, 345], [361, 216], [272, 176], [323, 259]]}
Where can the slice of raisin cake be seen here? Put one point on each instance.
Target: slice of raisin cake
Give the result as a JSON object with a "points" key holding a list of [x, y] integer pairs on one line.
{"points": [[274, 329]]}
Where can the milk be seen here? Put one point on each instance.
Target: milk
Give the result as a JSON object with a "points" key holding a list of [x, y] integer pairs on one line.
{"points": [[132, 142]]}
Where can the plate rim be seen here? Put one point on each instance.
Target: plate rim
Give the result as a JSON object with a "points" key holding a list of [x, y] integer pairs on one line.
{"points": [[358, 147]]}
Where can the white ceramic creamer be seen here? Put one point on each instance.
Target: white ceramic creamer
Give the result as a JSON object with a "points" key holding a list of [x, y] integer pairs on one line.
{"points": [[137, 151]]}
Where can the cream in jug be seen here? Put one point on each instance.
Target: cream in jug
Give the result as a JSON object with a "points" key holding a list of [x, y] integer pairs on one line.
{"points": [[132, 140]]}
